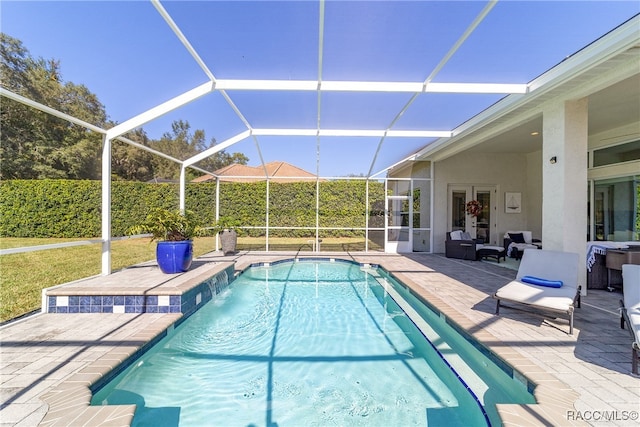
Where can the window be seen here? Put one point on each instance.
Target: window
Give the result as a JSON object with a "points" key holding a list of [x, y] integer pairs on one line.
{"points": [[617, 154], [617, 209]]}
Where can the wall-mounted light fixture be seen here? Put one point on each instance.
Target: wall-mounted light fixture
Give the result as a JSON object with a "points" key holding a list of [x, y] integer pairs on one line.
{"points": [[553, 160]]}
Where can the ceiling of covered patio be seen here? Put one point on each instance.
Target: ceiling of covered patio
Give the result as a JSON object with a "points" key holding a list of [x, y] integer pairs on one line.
{"points": [[337, 88]]}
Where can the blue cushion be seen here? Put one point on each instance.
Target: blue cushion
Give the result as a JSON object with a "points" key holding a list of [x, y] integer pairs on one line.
{"points": [[517, 237], [542, 282]]}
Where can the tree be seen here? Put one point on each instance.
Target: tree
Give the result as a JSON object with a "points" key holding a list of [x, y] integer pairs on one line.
{"points": [[16, 120], [182, 144], [131, 163], [34, 144], [38, 145]]}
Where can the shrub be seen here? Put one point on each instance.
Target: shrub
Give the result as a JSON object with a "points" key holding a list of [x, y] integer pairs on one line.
{"points": [[72, 208]]}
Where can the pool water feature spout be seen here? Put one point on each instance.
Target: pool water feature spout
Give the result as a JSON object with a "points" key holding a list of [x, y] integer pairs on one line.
{"points": [[218, 283]]}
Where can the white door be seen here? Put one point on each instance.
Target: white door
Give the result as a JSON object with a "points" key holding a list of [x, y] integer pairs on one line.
{"points": [[399, 216], [399, 220], [484, 224], [459, 195]]}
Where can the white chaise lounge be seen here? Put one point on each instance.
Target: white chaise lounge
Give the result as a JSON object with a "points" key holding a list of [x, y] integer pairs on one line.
{"points": [[548, 268], [631, 308]]}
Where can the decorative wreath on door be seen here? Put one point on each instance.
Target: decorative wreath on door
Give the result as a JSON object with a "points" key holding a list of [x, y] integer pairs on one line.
{"points": [[474, 208]]}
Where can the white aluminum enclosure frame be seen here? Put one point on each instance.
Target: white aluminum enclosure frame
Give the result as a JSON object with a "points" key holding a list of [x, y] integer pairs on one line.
{"points": [[516, 94]]}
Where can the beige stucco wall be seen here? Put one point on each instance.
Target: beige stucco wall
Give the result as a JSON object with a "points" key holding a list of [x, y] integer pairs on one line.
{"points": [[421, 169], [565, 135], [509, 172], [534, 193]]}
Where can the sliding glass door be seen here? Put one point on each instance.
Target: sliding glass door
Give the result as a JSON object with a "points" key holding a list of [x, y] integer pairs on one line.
{"points": [[616, 209]]}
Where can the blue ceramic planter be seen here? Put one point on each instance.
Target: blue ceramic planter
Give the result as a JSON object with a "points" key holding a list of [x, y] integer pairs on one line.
{"points": [[174, 257]]}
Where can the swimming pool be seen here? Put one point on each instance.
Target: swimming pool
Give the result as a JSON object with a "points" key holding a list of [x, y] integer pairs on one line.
{"points": [[315, 343]]}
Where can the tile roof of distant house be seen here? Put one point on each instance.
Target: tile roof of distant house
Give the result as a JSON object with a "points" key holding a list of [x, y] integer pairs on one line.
{"points": [[278, 171]]}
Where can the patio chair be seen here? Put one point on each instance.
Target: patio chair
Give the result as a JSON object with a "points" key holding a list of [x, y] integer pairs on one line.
{"points": [[460, 245], [630, 309], [547, 281]]}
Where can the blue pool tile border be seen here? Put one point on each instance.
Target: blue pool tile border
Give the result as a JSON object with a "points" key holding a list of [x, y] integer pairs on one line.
{"points": [[193, 299], [497, 360], [434, 348], [312, 259], [114, 304], [187, 303], [505, 367], [105, 379]]}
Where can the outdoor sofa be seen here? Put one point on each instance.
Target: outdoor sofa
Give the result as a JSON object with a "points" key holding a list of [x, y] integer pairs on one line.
{"points": [[515, 242]]}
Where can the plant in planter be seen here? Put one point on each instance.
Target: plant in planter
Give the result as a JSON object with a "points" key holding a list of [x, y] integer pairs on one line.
{"points": [[174, 231], [225, 228]]}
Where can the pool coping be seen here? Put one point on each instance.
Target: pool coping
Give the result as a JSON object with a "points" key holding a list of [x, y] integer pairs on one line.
{"points": [[69, 401], [554, 398]]}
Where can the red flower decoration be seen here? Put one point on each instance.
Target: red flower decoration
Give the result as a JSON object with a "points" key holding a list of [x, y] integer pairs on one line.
{"points": [[474, 208]]}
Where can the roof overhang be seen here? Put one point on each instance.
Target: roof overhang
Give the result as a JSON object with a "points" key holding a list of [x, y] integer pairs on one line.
{"points": [[610, 59]]}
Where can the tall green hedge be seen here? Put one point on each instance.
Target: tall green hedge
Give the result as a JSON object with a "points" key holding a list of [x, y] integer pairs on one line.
{"points": [[69, 208]]}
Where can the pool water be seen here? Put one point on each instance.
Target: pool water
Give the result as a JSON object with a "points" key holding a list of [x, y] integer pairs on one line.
{"points": [[311, 343]]}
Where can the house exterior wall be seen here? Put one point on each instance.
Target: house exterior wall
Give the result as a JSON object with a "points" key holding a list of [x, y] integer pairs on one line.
{"points": [[518, 173], [565, 136], [534, 194], [420, 169], [509, 172], [615, 136]]}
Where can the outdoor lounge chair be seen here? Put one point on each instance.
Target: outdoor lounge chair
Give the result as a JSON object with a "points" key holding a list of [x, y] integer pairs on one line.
{"points": [[630, 309], [547, 269]]}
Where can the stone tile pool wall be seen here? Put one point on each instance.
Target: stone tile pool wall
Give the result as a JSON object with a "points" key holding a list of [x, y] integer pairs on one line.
{"points": [[185, 303]]}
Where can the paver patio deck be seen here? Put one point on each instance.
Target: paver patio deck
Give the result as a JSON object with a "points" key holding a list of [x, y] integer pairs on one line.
{"points": [[47, 361]]}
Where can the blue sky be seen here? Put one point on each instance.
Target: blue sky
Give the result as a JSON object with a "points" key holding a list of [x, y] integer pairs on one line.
{"points": [[125, 53]]}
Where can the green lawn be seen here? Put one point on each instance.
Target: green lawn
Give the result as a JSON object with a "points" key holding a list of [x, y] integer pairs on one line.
{"points": [[24, 275]]}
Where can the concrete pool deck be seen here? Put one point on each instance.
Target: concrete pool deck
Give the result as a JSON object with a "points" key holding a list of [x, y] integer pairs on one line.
{"points": [[49, 360]]}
